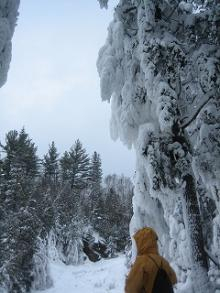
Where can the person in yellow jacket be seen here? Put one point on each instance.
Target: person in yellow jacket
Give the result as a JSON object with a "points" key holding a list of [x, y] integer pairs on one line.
{"points": [[144, 270]]}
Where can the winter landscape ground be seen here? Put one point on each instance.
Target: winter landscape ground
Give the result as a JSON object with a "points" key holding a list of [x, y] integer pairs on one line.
{"points": [[107, 275], [100, 277]]}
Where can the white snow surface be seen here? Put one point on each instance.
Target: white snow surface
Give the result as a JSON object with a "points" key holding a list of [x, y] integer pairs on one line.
{"points": [[100, 277]]}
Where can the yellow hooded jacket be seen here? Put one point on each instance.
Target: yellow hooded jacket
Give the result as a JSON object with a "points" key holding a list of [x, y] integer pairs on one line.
{"points": [[143, 272]]}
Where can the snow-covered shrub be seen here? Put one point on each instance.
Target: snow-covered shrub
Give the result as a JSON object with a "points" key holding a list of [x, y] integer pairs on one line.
{"points": [[67, 243], [41, 272]]}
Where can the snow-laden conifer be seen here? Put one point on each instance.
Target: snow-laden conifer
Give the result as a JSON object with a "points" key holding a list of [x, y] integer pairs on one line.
{"points": [[160, 69], [51, 165]]}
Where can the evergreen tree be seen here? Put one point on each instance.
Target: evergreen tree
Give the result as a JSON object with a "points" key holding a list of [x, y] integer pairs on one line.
{"points": [[65, 164], [69, 209], [46, 193], [20, 167], [20, 224], [95, 191], [50, 164], [75, 166], [95, 171], [118, 193], [160, 67]]}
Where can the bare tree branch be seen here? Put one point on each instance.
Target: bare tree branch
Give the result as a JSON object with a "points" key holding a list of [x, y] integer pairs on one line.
{"points": [[130, 9], [212, 257]]}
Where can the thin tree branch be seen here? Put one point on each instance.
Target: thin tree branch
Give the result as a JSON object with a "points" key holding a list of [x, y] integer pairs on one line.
{"points": [[209, 97], [172, 12], [130, 9], [212, 257]]}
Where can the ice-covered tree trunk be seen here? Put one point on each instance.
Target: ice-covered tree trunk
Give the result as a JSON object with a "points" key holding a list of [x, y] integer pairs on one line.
{"points": [[160, 69], [193, 223], [8, 18]]}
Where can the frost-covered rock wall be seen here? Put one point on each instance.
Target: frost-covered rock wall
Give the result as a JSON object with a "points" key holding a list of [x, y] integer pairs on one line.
{"points": [[8, 18], [160, 70]]}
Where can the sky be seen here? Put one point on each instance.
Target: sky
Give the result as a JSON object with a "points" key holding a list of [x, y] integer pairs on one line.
{"points": [[53, 85]]}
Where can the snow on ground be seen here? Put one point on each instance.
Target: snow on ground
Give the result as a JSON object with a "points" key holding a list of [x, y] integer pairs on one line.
{"points": [[100, 277]]}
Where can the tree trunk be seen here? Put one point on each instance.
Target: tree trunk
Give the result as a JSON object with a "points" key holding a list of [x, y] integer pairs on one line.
{"points": [[192, 218], [193, 224]]}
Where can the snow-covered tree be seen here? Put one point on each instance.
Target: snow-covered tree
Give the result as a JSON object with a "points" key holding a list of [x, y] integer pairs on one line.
{"points": [[20, 224], [95, 170], [69, 220], [160, 69], [65, 166], [122, 185], [41, 272], [51, 164], [93, 199], [117, 208], [75, 166], [19, 168], [46, 194]]}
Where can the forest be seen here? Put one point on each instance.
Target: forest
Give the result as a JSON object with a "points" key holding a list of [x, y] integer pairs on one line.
{"points": [[57, 207]]}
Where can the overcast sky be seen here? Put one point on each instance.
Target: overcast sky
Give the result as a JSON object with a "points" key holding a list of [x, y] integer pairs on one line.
{"points": [[53, 85]]}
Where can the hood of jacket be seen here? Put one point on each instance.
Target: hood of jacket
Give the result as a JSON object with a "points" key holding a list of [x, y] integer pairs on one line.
{"points": [[146, 241]]}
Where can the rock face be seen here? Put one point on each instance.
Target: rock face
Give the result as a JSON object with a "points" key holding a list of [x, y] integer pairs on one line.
{"points": [[8, 18], [95, 250]]}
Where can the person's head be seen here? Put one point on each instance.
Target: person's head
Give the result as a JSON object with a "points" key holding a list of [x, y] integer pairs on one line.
{"points": [[146, 240]]}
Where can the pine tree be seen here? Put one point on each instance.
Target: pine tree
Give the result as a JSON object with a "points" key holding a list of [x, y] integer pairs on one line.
{"points": [[95, 203], [65, 165], [118, 193], [20, 225], [47, 193], [20, 167], [95, 171], [69, 210], [50, 164], [75, 166]]}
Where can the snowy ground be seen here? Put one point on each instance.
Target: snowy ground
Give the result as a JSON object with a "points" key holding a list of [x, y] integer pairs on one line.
{"points": [[100, 277]]}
